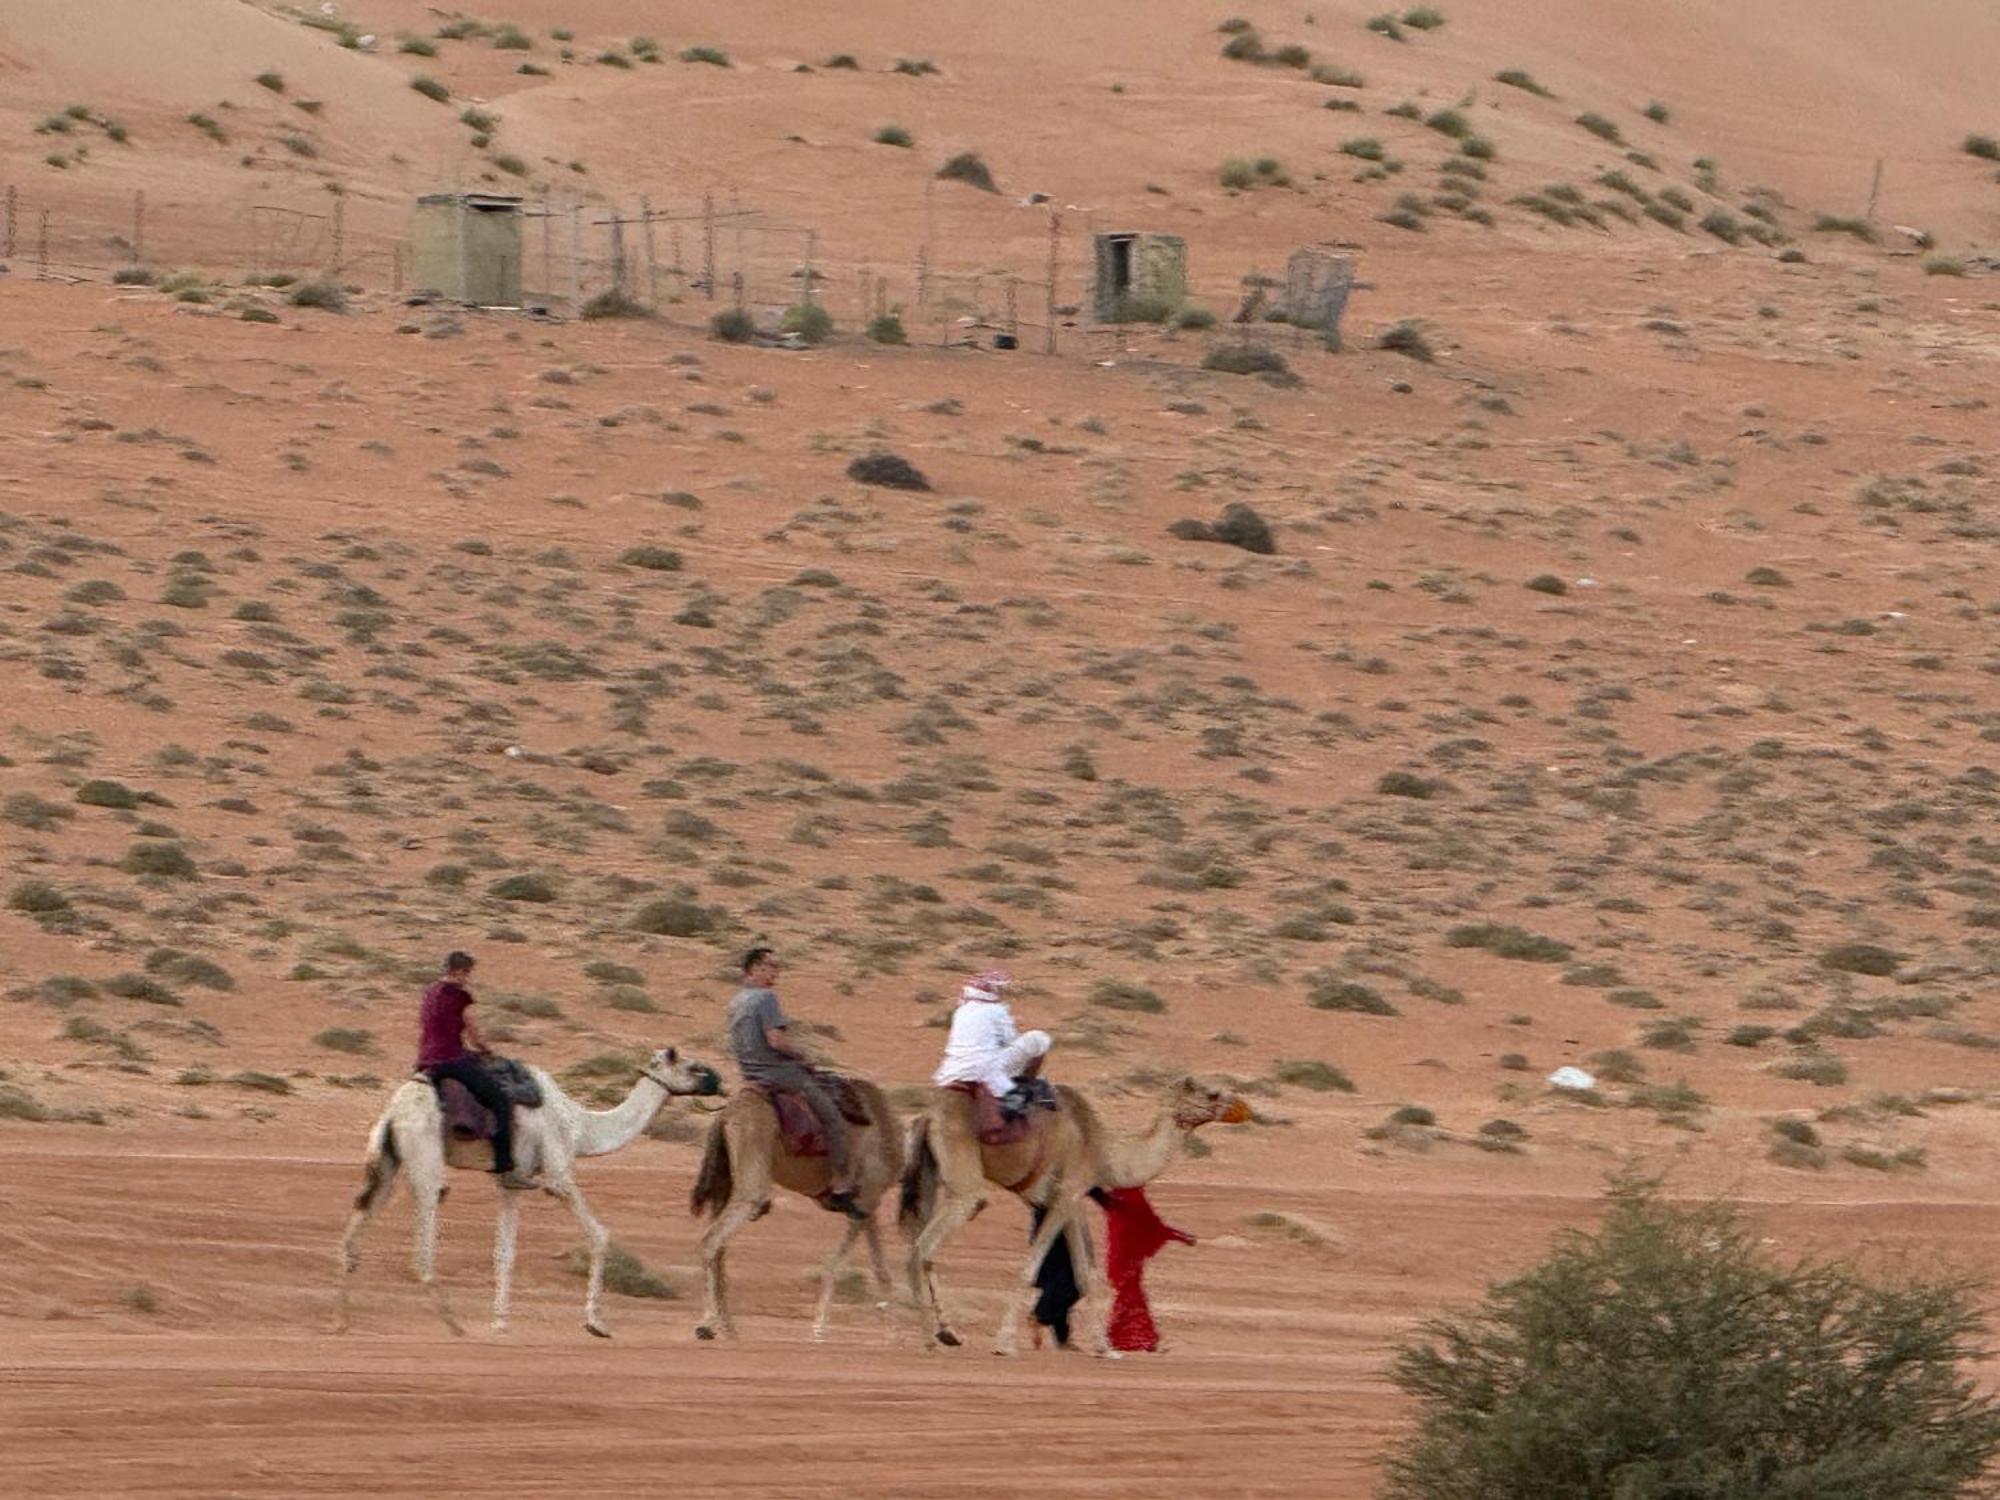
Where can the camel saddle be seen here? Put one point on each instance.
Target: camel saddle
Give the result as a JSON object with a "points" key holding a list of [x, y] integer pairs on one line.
{"points": [[798, 1125], [466, 1119], [996, 1128]]}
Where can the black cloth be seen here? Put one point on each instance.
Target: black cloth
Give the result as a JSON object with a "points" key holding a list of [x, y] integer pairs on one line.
{"points": [[1057, 1284], [484, 1087]]}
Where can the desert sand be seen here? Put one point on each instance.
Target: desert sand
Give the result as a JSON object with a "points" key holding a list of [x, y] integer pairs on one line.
{"points": [[1620, 694]]}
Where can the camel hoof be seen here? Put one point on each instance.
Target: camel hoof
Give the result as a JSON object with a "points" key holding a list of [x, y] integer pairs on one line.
{"points": [[597, 1330], [704, 1332], [947, 1338]]}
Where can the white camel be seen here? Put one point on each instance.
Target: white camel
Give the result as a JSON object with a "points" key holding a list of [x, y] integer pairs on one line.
{"points": [[548, 1139]]}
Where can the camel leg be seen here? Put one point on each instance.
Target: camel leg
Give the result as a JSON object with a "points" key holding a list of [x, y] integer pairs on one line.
{"points": [[829, 1272], [375, 1191], [1095, 1303], [879, 1267], [504, 1232], [598, 1238], [427, 1195], [951, 1215], [715, 1317], [1054, 1223]]}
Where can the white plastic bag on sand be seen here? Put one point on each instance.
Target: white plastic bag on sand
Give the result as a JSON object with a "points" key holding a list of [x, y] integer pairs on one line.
{"points": [[1571, 1078]]}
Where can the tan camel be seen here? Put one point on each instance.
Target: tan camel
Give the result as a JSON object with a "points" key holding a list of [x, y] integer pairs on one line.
{"points": [[949, 1176], [746, 1156], [410, 1136]]}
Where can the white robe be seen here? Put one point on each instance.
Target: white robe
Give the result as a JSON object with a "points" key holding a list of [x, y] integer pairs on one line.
{"points": [[984, 1047]]}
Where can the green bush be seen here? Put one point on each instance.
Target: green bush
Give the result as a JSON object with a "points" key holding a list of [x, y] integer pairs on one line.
{"points": [[966, 167], [1516, 78], [1329, 992], [1982, 146], [1658, 113], [1861, 958], [1423, 18], [1600, 127], [275, 82], [810, 321], [1508, 942], [348, 1039], [112, 794], [675, 918], [323, 295], [733, 326], [430, 88], [538, 889], [1116, 994], [167, 860], [1245, 359], [38, 898], [894, 135], [887, 328], [653, 559], [611, 303], [714, 56], [1670, 1354], [1308, 1073]]}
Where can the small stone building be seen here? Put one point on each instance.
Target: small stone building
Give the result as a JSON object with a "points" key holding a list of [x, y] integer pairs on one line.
{"points": [[1317, 282], [1136, 273], [467, 247]]}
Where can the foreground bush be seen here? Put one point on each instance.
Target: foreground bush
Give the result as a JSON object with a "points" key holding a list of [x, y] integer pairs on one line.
{"points": [[1669, 1356]]}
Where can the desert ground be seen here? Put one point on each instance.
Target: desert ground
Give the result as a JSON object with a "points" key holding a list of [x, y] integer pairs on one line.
{"points": [[1622, 692]]}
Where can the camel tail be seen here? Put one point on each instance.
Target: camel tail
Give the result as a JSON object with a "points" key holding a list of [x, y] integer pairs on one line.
{"points": [[920, 1178], [713, 1184], [379, 1171]]}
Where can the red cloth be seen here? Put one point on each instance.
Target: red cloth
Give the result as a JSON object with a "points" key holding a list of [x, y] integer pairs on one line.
{"points": [[441, 1024], [1133, 1235]]}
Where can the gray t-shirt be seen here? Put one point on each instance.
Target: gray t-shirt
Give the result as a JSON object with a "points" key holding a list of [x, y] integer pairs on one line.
{"points": [[750, 1013]]}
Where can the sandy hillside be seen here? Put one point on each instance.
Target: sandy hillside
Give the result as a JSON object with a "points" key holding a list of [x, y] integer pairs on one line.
{"points": [[1619, 693]]}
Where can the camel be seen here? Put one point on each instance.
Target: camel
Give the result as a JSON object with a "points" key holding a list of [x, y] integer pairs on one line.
{"points": [[746, 1155], [547, 1142], [1067, 1153]]}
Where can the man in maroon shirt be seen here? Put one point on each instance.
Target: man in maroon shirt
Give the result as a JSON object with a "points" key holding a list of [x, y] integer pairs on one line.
{"points": [[447, 1039]]}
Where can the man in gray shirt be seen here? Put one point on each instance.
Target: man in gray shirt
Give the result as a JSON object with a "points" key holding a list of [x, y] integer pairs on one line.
{"points": [[765, 1056]]}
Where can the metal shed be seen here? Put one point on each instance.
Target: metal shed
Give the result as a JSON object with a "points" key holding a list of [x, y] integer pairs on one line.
{"points": [[467, 247]]}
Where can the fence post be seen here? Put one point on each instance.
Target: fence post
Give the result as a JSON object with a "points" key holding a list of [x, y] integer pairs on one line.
{"points": [[339, 235], [1055, 250], [652, 256], [548, 251], [575, 261], [617, 252], [42, 249], [812, 243], [139, 227], [708, 244], [13, 211]]}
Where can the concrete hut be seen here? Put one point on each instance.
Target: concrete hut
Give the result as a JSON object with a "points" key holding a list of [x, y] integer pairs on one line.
{"points": [[468, 247]]}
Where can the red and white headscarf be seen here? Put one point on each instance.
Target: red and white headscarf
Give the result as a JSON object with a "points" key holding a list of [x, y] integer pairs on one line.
{"points": [[986, 986]]}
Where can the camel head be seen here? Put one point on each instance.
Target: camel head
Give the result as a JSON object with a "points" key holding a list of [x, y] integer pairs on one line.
{"points": [[682, 1075], [1196, 1104]]}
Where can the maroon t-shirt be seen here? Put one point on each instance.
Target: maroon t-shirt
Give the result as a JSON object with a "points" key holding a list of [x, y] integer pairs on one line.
{"points": [[441, 1024]]}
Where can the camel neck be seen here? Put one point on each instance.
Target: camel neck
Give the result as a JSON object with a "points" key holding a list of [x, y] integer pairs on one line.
{"points": [[600, 1131], [1136, 1160]]}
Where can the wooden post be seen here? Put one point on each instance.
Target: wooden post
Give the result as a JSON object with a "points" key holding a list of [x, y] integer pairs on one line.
{"points": [[923, 281], [652, 256], [1013, 310], [678, 270], [881, 296], [617, 226], [396, 267], [13, 212], [42, 248], [708, 244], [139, 227], [812, 243], [339, 235], [1874, 191], [736, 283], [1055, 250]]}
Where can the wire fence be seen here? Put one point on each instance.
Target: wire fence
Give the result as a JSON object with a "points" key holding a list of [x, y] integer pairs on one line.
{"points": [[684, 261]]}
